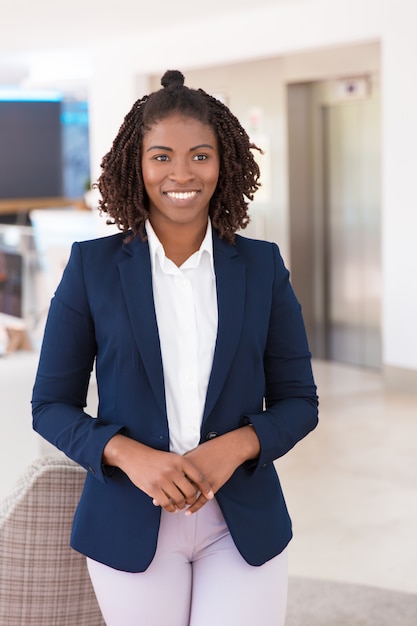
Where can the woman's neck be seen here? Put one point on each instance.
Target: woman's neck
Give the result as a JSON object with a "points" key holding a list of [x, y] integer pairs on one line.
{"points": [[180, 241]]}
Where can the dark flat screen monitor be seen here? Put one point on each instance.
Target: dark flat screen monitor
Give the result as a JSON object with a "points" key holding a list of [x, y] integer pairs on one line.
{"points": [[30, 149], [11, 283]]}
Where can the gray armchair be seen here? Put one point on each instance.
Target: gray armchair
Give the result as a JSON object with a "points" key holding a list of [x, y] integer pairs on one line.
{"points": [[43, 582]]}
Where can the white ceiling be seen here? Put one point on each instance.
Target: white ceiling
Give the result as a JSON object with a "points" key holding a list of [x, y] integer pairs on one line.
{"points": [[46, 24], [35, 33]]}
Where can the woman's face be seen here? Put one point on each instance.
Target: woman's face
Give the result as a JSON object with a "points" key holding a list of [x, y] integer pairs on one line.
{"points": [[180, 169]]}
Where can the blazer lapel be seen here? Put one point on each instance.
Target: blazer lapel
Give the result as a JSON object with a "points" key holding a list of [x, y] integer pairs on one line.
{"points": [[136, 279], [231, 287]]}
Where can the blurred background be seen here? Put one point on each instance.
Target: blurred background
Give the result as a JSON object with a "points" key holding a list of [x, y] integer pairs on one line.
{"points": [[328, 89]]}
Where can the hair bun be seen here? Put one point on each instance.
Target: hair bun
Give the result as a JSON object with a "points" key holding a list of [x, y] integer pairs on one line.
{"points": [[172, 79]]}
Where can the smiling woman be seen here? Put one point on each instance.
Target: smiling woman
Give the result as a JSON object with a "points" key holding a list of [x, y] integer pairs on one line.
{"points": [[180, 169], [219, 131], [203, 370]]}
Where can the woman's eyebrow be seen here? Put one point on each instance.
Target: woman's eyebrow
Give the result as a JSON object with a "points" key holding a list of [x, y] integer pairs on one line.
{"points": [[159, 148], [165, 148], [202, 145]]}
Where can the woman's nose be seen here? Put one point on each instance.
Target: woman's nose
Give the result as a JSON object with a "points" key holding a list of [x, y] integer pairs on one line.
{"points": [[181, 172]]}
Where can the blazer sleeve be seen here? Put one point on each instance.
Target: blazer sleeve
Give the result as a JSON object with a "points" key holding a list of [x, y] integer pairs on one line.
{"points": [[291, 403], [65, 365]]}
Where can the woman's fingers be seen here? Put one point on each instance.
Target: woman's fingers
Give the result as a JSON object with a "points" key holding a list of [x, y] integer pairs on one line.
{"points": [[172, 481], [182, 487], [198, 480], [198, 504]]}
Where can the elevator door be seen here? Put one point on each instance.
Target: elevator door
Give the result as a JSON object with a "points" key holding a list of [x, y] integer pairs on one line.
{"points": [[351, 198], [334, 194]]}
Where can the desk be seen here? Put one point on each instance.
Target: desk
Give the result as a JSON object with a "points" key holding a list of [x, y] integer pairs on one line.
{"points": [[20, 207]]}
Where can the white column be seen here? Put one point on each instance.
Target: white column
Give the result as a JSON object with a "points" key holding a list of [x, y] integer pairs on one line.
{"points": [[399, 186], [113, 89]]}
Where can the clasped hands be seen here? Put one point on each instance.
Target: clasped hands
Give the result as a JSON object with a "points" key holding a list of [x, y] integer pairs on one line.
{"points": [[191, 480], [176, 482]]}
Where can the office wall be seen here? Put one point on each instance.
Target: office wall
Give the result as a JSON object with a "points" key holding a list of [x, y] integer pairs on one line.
{"points": [[277, 32]]}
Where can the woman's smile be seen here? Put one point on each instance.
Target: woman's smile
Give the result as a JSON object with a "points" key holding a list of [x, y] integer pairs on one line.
{"points": [[181, 196]]}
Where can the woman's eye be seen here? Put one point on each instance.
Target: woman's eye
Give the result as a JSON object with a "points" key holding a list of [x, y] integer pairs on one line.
{"points": [[200, 157], [161, 157]]}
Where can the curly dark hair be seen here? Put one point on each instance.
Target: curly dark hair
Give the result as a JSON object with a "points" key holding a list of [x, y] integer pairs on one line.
{"points": [[123, 195]]}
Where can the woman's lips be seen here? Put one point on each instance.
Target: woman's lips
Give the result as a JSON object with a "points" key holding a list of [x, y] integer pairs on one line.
{"points": [[181, 195]]}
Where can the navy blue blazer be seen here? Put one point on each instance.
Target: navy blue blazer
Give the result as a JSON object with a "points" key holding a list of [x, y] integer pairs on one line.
{"points": [[103, 312]]}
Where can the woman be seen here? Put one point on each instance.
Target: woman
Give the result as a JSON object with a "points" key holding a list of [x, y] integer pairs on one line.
{"points": [[203, 372]]}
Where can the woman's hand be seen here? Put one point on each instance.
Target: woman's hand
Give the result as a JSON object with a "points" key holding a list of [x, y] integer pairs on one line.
{"points": [[218, 458], [171, 480]]}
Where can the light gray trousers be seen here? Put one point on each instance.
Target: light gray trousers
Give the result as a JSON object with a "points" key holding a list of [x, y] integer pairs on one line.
{"points": [[197, 578]]}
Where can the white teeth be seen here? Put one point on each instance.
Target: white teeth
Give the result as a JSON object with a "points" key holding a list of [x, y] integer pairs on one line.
{"points": [[181, 195]]}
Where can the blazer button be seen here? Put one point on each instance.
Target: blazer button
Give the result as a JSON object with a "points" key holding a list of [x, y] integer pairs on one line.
{"points": [[92, 470], [211, 435]]}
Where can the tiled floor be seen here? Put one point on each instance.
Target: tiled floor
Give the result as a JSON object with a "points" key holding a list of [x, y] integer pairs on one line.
{"points": [[351, 485]]}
